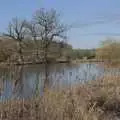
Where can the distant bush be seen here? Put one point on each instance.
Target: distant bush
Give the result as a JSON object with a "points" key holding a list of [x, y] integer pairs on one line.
{"points": [[109, 50]]}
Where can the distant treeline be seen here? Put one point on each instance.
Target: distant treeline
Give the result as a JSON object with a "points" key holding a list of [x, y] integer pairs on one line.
{"points": [[57, 49], [83, 53], [9, 48]]}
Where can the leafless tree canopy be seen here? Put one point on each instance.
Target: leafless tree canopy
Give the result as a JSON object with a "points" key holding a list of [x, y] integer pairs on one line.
{"points": [[16, 29], [49, 24]]}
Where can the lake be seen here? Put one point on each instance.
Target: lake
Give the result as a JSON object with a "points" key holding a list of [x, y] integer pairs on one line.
{"points": [[28, 81]]}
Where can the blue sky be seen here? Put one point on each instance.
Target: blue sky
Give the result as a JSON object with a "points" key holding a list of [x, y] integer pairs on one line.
{"points": [[73, 12]]}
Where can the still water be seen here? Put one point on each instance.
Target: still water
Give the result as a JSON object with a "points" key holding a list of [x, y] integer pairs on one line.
{"points": [[27, 81]]}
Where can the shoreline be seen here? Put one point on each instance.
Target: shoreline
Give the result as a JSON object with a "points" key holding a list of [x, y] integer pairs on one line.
{"points": [[5, 64], [49, 62]]}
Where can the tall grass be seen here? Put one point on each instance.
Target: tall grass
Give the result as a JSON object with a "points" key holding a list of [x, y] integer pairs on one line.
{"points": [[91, 101]]}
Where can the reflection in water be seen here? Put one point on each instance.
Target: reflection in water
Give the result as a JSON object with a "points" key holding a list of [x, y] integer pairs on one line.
{"points": [[30, 81], [18, 82]]}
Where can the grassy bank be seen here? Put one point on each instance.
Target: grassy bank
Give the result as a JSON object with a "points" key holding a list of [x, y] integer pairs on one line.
{"points": [[94, 101]]}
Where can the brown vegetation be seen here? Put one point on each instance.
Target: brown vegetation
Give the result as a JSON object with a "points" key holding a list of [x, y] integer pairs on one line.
{"points": [[109, 52], [93, 101]]}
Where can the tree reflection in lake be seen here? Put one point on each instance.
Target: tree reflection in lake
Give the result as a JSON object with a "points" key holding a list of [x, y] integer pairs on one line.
{"points": [[1, 85], [18, 84], [29, 81]]}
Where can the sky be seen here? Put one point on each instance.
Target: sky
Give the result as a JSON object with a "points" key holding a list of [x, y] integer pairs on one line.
{"points": [[92, 21]]}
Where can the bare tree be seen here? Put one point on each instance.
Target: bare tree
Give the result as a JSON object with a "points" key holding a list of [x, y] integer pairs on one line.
{"points": [[16, 31], [50, 27]]}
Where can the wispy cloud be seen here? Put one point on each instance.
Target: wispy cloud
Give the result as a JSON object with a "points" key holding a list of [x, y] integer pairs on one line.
{"points": [[105, 19]]}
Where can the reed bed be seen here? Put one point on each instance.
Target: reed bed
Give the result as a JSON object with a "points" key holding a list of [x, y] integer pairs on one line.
{"points": [[96, 100]]}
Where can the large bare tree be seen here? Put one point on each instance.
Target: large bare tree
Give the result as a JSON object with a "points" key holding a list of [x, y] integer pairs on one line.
{"points": [[50, 28], [16, 31]]}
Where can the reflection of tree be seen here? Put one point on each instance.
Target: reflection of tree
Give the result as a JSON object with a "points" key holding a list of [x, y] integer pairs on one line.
{"points": [[46, 80], [2, 80], [18, 81], [42, 82], [37, 83]]}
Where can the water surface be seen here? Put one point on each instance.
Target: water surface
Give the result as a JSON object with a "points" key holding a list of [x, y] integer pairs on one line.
{"points": [[28, 81]]}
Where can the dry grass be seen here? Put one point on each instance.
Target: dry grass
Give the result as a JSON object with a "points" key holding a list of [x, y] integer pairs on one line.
{"points": [[94, 101]]}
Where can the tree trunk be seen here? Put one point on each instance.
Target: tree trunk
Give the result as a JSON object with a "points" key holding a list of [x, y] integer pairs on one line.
{"points": [[37, 53], [21, 52]]}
